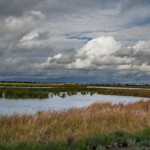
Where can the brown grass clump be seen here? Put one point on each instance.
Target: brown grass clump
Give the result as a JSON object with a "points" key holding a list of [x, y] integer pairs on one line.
{"points": [[74, 123]]}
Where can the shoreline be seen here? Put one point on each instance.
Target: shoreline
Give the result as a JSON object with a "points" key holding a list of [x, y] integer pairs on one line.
{"points": [[76, 125]]}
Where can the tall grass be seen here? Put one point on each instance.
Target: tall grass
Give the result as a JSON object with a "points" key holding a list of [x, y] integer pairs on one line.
{"points": [[73, 124]]}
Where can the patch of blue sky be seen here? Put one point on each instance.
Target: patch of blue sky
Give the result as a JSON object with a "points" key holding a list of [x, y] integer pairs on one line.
{"points": [[142, 22], [79, 37]]}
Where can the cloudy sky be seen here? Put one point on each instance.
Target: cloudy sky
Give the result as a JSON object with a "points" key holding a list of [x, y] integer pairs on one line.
{"points": [[106, 40]]}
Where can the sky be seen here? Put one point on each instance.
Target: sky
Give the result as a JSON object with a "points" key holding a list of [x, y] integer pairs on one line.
{"points": [[103, 41]]}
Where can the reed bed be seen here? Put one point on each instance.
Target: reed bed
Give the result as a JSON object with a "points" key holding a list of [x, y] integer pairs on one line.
{"points": [[74, 123], [1, 94], [27, 93]]}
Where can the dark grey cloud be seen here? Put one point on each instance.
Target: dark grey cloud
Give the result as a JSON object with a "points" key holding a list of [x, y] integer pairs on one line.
{"points": [[130, 4], [43, 36], [16, 7], [71, 6]]}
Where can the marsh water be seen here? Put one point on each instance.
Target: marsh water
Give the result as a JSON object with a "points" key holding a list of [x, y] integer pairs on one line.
{"points": [[31, 106], [123, 88]]}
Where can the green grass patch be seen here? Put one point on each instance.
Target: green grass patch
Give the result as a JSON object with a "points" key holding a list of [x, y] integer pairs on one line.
{"points": [[115, 140]]}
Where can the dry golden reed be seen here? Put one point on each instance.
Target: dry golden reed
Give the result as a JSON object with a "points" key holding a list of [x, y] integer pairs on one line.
{"points": [[75, 123]]}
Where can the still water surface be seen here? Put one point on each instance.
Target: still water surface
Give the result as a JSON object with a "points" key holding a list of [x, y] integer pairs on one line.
{"points": [[31, 106], [123, 88]]}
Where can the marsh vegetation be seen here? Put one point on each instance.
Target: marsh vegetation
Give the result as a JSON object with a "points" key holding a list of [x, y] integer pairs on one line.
{"points": [[26, 93], [100, 125]]}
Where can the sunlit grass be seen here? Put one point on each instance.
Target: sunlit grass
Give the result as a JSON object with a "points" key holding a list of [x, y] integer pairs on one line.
{"points": [[77, 123]]}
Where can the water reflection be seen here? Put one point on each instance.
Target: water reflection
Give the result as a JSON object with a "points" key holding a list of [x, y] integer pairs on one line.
{"points": [[59, 102]]}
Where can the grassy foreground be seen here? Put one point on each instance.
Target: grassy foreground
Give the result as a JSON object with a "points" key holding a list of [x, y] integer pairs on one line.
{"points": [[99, 125]]}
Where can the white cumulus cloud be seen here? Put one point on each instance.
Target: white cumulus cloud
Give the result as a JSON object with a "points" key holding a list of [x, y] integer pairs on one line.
{"points": [[105, 53]]}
